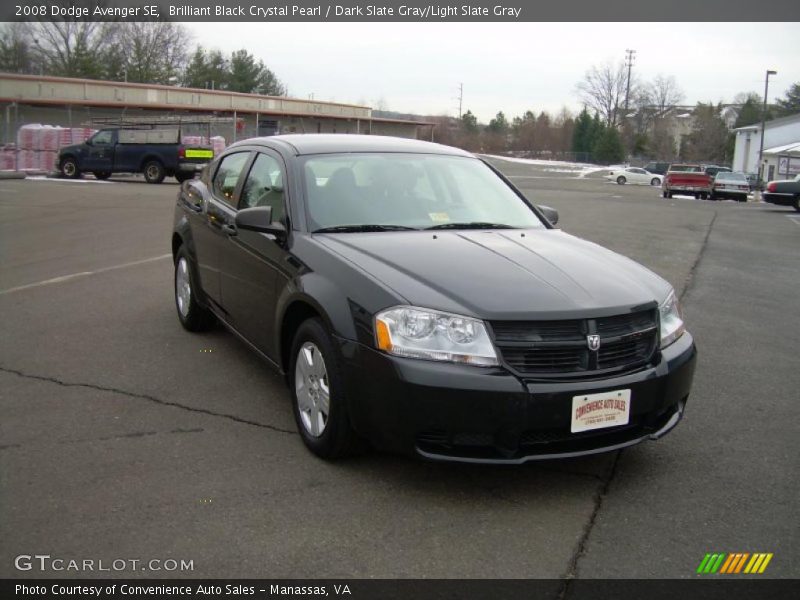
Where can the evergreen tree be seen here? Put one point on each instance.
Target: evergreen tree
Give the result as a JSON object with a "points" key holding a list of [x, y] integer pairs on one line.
{"points": [[469, 122], [608, 147], [250, 76], [791, 104], [581, 134], [750, 112]]}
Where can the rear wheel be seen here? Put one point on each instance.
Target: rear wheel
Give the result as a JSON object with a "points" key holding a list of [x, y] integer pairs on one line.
{"points": [[655, 181], [320, 408], [154, 172], [796, 202], [621, 180], [69, 168], [101, 174], [192, 315]]}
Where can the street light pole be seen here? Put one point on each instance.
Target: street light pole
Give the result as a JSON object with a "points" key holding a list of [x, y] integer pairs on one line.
{"points": [[763, 124]]}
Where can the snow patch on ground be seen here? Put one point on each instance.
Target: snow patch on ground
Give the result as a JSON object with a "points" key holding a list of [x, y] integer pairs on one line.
{"points": [[55, 179], [561, 166]]}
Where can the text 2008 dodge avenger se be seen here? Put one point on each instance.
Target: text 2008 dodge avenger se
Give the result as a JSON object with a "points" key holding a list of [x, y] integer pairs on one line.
{"points": [[417, 301]]}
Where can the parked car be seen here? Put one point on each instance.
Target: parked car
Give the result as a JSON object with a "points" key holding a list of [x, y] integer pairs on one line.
{"points": [[714, 169], [730, 185], [659, 168], [783, 193], [414, 298], [155, 153], [633, 175], [687, 179]]}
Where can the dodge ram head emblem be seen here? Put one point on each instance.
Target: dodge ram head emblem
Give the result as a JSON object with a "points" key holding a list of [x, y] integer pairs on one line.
{"points": [[593, 341]]}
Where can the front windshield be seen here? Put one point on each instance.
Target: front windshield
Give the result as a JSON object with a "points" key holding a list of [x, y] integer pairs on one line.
{"points": [[416, 191]]}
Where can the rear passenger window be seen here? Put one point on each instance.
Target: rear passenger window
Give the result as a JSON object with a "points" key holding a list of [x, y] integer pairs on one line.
{"points": [[227, 176], [264, 186]]}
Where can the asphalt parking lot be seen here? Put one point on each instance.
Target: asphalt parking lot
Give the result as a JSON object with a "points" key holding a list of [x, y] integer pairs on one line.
{"points": [[124, 437]]}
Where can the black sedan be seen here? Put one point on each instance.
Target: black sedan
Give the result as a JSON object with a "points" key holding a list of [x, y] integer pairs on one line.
{"points": [[416, 301]]}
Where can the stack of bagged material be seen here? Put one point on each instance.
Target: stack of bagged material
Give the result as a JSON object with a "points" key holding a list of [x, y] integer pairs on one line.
{"points": [[37, 146], [8, 157], [218, 144]]}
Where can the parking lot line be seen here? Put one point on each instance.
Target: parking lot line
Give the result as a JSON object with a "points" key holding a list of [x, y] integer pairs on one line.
{"points": [[71, 276], [794, 219]]}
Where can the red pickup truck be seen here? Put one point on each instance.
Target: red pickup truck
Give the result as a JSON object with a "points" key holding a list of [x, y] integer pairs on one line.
{"points": [[691, 180]]}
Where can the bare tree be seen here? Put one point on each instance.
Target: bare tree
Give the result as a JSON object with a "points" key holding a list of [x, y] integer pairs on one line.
{"points": [[664, 92], [149, 51], [603, 90], [72, 48], [16, 55]]}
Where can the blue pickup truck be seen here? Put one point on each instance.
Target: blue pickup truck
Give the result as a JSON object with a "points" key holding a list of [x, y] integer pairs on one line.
{"points": [[157, 153]]}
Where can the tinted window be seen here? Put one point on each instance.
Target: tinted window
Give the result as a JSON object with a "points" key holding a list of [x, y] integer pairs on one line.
{"points": [[411, 190], [264, 186], [227, 176]]}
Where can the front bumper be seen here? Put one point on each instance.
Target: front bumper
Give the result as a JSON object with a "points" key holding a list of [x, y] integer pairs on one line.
{"points": [[452, 412], [191, 167]]}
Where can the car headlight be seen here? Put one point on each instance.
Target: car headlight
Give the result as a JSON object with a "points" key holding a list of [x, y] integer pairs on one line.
{"points": [[671, 320], [414, 332]]}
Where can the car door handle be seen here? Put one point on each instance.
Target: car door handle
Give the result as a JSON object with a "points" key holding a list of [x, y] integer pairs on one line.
{"points": [[195, 207], [229, 229]]}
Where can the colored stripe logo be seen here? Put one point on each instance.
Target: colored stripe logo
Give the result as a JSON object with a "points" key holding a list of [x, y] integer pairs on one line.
{"points": [[734, 563]]}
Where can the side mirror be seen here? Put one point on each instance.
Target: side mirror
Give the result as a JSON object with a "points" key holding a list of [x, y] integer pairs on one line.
{"points": [[551, 214], [259, 218], [89, 142]]}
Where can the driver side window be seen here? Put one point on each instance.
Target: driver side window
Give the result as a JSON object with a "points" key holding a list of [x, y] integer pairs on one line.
{"points": [[264, 186], [102, 138]]}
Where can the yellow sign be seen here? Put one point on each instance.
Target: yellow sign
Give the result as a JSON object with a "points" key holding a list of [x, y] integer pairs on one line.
{"points": [[199, 154]]}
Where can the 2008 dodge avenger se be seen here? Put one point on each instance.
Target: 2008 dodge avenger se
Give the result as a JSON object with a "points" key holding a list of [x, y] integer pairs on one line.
{"points": [[417, 301]]}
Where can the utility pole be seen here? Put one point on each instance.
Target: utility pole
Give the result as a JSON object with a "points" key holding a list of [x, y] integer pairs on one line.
{"points": [[629, 58], [460, 98], [763, 125]]}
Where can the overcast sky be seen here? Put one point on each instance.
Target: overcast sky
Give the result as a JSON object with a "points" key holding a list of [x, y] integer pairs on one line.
{"points": [[417, 67]]}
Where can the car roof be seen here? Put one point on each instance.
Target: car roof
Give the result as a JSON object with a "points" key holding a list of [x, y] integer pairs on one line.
{"points": [[333, 143]]}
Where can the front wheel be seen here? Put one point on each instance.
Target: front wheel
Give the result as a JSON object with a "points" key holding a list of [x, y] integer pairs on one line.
{"points": [[154, 172], [796, 202], [655, 181], [69, 168], [102, 175], [192, 315], [320, 408], [621, 180]]}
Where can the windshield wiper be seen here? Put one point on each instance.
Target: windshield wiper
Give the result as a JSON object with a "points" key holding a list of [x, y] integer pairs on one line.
{"points": [[472, 225], [360, 228]]}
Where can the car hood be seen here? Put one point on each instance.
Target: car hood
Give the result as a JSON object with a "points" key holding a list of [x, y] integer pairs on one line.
{"points": [[510, 274]]}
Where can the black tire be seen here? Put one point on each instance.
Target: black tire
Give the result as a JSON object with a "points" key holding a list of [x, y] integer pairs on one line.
{"points": [[713, 196], [621, 180], [102, 175], [192, 315], [335, 438], [796, 202], [154, 172], [665, 194], [655, 181], [703, 196], [181, 177], [69, 168]]}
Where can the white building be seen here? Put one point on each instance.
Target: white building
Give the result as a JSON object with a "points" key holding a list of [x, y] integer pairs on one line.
{"points": [[779, 134]]}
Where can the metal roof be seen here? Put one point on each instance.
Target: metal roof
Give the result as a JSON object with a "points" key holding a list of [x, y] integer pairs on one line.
{"points": [[793, 147]]}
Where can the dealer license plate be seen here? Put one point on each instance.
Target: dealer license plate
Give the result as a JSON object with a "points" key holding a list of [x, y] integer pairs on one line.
{"points": [[597, 411]]}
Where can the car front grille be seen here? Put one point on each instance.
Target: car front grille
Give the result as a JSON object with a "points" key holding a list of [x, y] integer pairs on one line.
{"points": [[561, 348]]}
